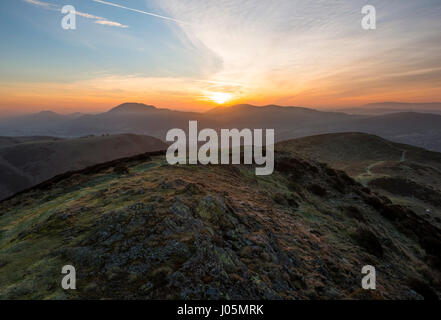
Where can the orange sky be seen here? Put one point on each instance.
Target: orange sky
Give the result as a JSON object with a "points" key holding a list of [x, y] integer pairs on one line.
{"points": [[87, 97], [206, 53]]}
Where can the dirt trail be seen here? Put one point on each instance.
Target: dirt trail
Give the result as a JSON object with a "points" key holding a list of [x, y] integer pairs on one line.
{"points": [[403, 156], [371, 166], [375, 164]]}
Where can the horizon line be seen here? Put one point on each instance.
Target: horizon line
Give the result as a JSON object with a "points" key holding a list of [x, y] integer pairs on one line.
{"points": [[14, 114]]}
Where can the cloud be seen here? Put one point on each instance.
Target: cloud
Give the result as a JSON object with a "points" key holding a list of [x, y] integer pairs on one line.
{"points": [[98, 20], [110, 23], [41, 4], [298, 52], [287, 48], [108, 89], [140, 11]]}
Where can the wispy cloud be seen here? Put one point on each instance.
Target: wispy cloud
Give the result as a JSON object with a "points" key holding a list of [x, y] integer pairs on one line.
{"points": [[297, 49], [41, 4], [298, 52], [141, 11], [98, 20], [110, 23]]}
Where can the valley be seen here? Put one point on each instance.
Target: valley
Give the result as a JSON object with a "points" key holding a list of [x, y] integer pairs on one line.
{"points": [[28, 161], [419, 129]]}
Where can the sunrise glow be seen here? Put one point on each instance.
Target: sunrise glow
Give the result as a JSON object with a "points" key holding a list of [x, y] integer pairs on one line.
{"points": [[219, 97], [195, 56]]}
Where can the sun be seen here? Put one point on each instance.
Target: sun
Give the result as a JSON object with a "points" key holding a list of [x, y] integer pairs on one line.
{"points": [[219, 97]]}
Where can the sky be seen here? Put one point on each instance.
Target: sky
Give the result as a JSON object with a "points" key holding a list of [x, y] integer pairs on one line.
{"points": [[196, 54]]}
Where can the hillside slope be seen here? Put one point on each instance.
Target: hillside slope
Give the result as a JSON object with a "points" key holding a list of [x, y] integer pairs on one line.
{"points": [[156, 231], [27, 161], [409, 175]]}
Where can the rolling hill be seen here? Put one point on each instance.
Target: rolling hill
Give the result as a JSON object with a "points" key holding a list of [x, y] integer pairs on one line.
{"points": [[27, 161], [419, 129], [393, 107], [51, 123], [409, 175], [274, 117], [133, 118], [155, 231]]}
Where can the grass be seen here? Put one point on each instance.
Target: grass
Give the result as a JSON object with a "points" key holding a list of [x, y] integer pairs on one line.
{"points": [[315, 233]]}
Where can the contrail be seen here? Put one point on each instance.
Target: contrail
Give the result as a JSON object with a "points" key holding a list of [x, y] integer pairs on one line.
{"points": [[140, 11]]}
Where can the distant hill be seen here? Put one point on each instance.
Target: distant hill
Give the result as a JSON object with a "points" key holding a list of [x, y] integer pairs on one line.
{"points": [[410, 176], [45, 123], [392, 107], [132, 108], [419, 129], [405, 106], [27, 161], [135, 118], [275, 117], [7, 141]]}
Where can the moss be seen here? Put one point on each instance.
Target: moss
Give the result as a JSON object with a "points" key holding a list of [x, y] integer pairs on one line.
{"points": [[209, 209], [225, 258]]}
